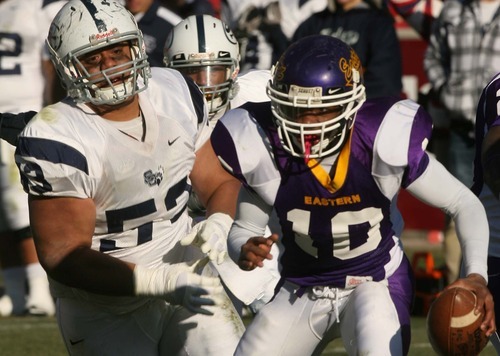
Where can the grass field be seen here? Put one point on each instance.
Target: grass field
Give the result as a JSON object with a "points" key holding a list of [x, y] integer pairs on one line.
{"points": [[35, 336]]}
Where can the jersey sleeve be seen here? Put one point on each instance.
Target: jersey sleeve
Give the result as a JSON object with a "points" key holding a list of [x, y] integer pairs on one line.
{"points": [[251, 87], [401, 142], [244, 151], [51, 163], [437, 187]]}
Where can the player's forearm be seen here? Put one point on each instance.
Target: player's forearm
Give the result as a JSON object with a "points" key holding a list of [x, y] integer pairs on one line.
{"points": [[223, 199], [63, 228], [437, 187], [473, 232], [94, 272], [251, 220], [216, 188]]}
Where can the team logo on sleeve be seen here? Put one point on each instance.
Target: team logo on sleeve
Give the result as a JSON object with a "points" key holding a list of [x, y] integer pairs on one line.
{"points": [[153, 178]]}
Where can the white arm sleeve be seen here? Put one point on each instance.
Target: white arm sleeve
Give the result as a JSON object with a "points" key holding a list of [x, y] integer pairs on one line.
{"points": [[254, 287], [251, 219], [437, 187]]}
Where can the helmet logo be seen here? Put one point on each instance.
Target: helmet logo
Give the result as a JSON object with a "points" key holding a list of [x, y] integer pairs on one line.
{"points": [[280, 71], [332, 91], [101, 36], [55, 37], [347, 66]]}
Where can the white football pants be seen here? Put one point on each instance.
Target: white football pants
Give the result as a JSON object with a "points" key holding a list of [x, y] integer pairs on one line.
{"points": [[156, 328], [365, 318]]}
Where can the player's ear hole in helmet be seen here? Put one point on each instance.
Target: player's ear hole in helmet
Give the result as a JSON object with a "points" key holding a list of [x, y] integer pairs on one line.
{"points": [[315, 91], [205, 49], [83, 29]]}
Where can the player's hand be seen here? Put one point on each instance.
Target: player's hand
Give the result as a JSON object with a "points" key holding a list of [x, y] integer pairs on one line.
{"points": [[210, 236], [255, 251], [181, 284], [195, 292], [477, 284]]}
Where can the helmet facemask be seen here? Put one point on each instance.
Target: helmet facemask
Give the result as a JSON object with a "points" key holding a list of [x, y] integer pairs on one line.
{"points": [[86, 87], [217, 81], [318, 139]]}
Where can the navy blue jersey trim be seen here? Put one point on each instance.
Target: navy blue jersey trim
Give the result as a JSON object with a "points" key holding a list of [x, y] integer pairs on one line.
{"points": [[225, 149], [52, 151]]}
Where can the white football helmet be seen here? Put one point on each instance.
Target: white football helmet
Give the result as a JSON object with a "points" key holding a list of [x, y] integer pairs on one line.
{"points": [[202, 42], [85, 26]]}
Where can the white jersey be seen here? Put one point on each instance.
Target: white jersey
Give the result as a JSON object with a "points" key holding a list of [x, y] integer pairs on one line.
{"points": [[249, 87], [23, 28], [140, 189]]}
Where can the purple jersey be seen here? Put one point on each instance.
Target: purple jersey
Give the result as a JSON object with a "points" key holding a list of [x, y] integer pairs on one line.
{"points": [[487, 117], [336, 227]]}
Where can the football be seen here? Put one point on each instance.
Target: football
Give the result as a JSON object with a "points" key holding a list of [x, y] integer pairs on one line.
{"points": [[452, 327]]}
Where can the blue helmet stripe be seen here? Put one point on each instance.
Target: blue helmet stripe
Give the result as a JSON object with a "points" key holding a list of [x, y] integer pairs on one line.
{"points": [[101, 26], [202, 44]]}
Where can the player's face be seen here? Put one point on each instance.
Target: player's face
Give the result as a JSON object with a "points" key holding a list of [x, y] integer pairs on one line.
{"points": [[112, 60], [314, 115], [314, 119], [206, 75]]}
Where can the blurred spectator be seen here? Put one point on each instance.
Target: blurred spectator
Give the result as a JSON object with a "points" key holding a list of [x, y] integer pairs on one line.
{"points": [[419, 14], [262, 31], [462, 56], [155, 21], [185, 8], [370, 31], [27, 78]]}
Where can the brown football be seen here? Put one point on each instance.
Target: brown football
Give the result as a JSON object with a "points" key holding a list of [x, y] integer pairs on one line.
{"points": [[452, 327]]}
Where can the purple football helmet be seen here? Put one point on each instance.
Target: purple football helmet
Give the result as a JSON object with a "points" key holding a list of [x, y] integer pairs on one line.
{"points": [[316, 74]]}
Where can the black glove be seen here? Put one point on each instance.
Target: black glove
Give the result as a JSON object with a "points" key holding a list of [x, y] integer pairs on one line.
{"points": [[11, 125]]}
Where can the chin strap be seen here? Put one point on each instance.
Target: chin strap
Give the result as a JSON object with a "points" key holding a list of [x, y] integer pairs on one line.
{"points": [[115, 92]]}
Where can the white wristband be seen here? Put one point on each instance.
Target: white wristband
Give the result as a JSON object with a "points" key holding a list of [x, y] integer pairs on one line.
{"points": [[153, 282]]}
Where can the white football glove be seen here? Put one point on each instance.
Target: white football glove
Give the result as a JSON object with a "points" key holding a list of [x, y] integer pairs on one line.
{"points": [[211, 236], [179, 284]]}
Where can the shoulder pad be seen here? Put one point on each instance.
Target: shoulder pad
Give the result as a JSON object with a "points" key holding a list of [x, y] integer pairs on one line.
{"points": [[393, 138]]}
